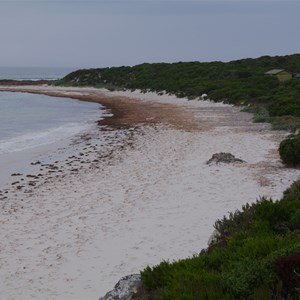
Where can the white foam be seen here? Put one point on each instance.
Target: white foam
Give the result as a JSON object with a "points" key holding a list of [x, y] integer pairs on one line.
{"points": [[46, 137]]}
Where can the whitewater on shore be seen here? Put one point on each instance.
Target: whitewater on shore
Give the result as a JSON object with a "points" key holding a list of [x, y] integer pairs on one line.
{"points": [[135, 192]]}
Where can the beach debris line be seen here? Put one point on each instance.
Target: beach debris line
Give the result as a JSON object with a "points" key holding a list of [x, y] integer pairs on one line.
{"points": [[87, 155], [224, 157], [16, 174]]}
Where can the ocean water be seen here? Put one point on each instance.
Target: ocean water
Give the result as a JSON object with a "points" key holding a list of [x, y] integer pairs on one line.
{"points": [[33, 73], [28, 120]]}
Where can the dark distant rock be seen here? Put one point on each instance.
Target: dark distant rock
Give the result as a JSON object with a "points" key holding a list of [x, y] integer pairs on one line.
{"points": [[32, 176], [12, 82], [125, 289], [223, 157], [16, 174]]}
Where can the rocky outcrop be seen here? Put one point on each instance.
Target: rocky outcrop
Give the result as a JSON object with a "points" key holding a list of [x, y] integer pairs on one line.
{"points": [[126, 289], [223, 157]]}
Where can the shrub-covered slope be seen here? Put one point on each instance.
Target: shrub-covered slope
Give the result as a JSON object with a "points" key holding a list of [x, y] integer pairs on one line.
{"points": [[255, 255], [237, 82]]}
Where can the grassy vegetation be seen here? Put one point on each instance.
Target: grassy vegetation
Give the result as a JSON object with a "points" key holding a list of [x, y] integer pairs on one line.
{"points": [[255, 255], [262, 115], [240, 82]]}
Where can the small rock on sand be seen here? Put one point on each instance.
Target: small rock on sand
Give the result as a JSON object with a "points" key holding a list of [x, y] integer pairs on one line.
{"points": [[223, 157]]}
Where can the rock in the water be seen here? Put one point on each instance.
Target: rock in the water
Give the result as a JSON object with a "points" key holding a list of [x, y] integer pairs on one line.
{"points": [[223, 157], [125, 289]]}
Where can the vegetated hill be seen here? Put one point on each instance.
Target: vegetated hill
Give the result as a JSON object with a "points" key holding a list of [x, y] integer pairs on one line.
{"points": [[238, 82], [255, 255]]}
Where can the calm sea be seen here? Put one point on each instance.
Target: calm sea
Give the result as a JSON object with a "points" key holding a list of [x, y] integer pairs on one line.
{"points": [[33, 73], [28, 120]]}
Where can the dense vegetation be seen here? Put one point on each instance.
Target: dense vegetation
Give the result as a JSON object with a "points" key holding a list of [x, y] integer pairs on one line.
{"points": [[289, 150], [239, 82], [255, 255]]}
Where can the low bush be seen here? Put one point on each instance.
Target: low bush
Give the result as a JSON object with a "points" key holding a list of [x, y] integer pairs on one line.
{"points": [[293, 192], [289, 150]]}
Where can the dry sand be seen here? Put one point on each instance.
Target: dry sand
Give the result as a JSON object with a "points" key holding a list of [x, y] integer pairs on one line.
{"points": [[145, 196]]}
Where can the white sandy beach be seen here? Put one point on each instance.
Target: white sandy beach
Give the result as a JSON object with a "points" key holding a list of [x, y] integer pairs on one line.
{"points": [[145, 196]]}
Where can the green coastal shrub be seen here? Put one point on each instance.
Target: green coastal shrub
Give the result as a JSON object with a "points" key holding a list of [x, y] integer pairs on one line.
{"points": [[289, 150], [293, 192], [253, 256]]}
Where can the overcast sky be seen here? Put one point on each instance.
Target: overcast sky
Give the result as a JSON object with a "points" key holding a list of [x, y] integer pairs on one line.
{"points": [[86, 33]]}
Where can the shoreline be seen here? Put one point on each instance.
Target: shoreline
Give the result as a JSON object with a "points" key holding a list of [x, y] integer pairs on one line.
{"points": [[118, 116], [150, 196]]}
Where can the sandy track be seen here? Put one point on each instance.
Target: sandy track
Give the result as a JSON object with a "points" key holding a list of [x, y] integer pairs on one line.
{"points": [[154, 198]]}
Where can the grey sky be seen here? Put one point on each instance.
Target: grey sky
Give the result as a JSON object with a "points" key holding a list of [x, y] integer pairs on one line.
{"points": [[85, 33]]}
